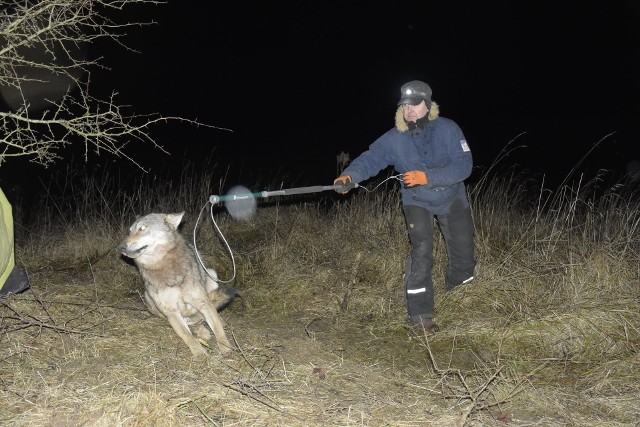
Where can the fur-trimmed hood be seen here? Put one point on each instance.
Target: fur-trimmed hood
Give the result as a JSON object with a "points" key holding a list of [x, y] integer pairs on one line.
{"points": [[401, 124]]}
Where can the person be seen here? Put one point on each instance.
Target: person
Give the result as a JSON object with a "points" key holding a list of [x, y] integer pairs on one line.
{"points": [[13, 279], [434, 159]]}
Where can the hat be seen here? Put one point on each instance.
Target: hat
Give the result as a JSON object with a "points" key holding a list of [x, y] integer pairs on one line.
{"points": [[414, 92]]}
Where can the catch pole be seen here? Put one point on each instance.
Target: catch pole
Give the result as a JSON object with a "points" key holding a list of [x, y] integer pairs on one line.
{"points": [[286, 192]]}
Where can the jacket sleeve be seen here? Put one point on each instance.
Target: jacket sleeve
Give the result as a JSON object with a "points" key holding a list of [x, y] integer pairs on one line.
{"points": [[460, 160], [370, 162]]}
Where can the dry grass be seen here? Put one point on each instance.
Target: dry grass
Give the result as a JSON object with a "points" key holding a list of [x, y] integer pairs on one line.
{"points": [[548, 334]]}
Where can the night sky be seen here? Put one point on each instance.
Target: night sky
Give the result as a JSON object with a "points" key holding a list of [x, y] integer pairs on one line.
{"points": [[301, 82]]}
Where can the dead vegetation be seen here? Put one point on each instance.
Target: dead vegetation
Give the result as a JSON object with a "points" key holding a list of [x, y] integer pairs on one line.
{"points": [[548, 334]]}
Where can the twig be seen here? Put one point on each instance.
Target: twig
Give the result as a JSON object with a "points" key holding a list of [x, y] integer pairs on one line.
{"points": [[249, 395], [81, 304], [344, 306], [308, 331], [233, 335], [206, 417], [25, 323], [475, 396], [42, 305]]}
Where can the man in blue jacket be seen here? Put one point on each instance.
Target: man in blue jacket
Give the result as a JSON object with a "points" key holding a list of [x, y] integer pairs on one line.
{"points": [[434, 159]]}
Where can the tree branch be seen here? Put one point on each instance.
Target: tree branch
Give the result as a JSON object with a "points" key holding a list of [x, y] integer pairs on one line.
{"points": [[45, 77]]}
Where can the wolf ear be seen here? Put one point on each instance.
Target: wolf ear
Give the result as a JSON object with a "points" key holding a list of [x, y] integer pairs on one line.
{"points": [[174, 219]]}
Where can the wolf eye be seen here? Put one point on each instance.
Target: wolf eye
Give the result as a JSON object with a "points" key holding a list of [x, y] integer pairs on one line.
{"points": [[143, 227]]}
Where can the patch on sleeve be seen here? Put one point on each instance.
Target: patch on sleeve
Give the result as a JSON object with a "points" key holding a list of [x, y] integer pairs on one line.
{"points": [[465, 146]]}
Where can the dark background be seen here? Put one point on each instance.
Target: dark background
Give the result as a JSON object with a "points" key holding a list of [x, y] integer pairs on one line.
{"points": [[299, 82]]}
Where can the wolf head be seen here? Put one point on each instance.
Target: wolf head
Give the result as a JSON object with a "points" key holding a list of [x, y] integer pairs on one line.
{"points": [[150, 235]]}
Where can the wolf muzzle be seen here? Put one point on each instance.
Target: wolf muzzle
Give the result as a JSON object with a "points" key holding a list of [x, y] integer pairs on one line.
{"points": [[130, 253]]}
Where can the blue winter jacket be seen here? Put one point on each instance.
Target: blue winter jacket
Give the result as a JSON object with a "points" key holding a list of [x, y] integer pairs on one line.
{"points": [[440, 150]]}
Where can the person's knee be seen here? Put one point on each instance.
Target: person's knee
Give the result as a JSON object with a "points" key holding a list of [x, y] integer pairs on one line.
{"points": [[421, 250]]}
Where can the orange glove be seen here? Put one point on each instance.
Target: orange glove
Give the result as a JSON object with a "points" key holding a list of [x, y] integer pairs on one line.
{"points": [[343, 180], [414, 178]]}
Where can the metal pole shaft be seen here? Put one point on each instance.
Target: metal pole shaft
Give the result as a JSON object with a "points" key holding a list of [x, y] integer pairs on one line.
{"points": [[286, 192]]}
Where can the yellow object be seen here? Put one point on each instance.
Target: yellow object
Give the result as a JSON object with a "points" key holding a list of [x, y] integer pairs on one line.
{"points": [[7, 259], [413, 178]]}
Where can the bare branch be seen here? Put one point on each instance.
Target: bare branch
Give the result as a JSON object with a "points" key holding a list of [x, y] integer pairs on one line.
{"points": [[45, 79]]}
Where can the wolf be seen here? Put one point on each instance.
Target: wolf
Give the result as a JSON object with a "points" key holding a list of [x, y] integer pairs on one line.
{"points": [[176, 285]]}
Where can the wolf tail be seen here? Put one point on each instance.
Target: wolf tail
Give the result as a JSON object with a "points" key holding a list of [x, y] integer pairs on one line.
{"points": [[223, 296]]}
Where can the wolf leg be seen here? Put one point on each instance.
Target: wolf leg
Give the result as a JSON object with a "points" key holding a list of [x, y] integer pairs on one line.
{"points": [[152, 307], [202, 331], [180, 327], [216, 324]]}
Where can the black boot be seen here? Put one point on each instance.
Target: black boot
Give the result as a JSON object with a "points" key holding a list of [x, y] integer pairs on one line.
{"points": [[17, 282], [423, 324]]}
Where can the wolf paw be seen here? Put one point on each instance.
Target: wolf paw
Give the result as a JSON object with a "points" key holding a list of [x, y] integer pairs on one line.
{"points": [[200, 353]]}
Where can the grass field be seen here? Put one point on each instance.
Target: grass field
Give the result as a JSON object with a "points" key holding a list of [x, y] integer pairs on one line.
{"points": [[547, 335]]}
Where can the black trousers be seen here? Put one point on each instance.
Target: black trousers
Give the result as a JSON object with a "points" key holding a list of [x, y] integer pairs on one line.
{"points": [[457, 229]]}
